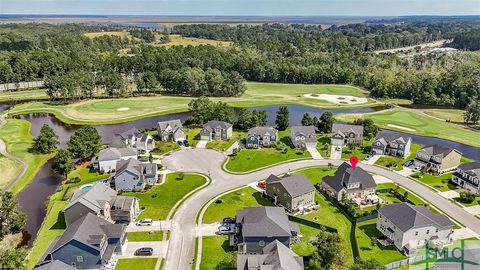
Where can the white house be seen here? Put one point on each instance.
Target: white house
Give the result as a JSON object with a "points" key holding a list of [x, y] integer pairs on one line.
{"points": [[108, 157], [131, 175], [134, 139]]}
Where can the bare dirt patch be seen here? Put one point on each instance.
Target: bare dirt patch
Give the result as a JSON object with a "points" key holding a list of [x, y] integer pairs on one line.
{"points": [[338, 99]]}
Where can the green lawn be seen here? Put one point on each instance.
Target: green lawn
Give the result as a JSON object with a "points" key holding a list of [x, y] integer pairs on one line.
{"points": [[214, 250], [453, 115], [316, 174], [10, 169], [34, 94], [145, 236], [143, 263], [442, 182], [159, 200], [360, 151], [411, 121], [368, 250], [396, 163], [164, 147], [475, 202], [222, 145], [16, 135], [193, 135], [323, 145]]}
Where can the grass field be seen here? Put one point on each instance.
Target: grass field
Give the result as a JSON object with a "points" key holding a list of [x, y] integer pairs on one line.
{"points": [[16, 135], [214, 250], [159, 200], [453, 115], [193, 135], [164, 147], [410, 121], [145, 236], [442, 182], [396, 163], [143, 263], [121, 34], [177, 40], [10, 169], [222, 145], [23, 95]]}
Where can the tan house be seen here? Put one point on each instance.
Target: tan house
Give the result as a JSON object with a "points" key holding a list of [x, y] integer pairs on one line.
{"points": [[295, 192], [437, 159], [216, 130], [171, 130], [344, 134]]}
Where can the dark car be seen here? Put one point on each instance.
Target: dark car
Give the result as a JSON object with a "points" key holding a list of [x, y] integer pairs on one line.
{"points": [[179, 142], [186, 143], [229, 220], [145, 251]]}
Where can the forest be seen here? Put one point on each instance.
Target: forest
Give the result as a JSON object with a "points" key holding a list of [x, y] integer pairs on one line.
{"points": [[282, 53]]}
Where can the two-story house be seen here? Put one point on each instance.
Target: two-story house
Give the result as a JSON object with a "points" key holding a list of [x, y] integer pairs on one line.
{"points": [[295, 192], [103, 201], [392, 145], [91, 242], [437, 159], [132, 175], [171, 130], [106, 160], [275, 256], [408, 226], [467, 176], [134, 139], [259, 226], [303, 136], [349, 183], [261, 137], [344, 134], [216, 130]]}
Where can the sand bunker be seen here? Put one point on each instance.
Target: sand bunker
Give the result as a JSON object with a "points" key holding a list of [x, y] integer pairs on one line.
{"points": [[338, 99], [400, 127], [123, 109]]}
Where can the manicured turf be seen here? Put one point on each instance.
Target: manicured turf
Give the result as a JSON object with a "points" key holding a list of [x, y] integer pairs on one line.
{"points": [[442, 182], [222, 145], [86, 175], [34, 94], [323, 145], [193, 135], [453, 115], [143, 263], [177, 40], [360, 151], [10, 169], [214, 250], [145, 236], [316, 174], [368, 250], [164, 147], [420, 123], [16, 135], [159, 200], [396, 163]]}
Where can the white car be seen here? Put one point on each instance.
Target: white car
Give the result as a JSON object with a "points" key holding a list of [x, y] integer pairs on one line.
{"points": [[338, 148], [145, 222]]}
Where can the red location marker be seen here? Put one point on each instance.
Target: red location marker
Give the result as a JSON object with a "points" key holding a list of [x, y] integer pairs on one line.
{"points": [[353, 161]]}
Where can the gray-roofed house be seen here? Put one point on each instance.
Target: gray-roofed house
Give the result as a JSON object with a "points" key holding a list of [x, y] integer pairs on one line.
{"points": [[260, 226], [103, 201], [261, 137], [349, 183], [171, 130], [392, 145], [108, 157], [276, 256], [216, 130], [295, 192], [135, 139], [132, 175], [408, 226], [437, 159], [344, 134], [467, 176], [89, 243], [55, 265], [303, 136]]}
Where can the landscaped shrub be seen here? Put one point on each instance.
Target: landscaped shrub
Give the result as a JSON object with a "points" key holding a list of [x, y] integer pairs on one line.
{"points": [[180, 176], [467, 197]]}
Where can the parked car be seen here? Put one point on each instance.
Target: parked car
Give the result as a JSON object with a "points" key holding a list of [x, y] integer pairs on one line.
{"points": [[186, 143], [229, 220], [338, 148], [408, 163], [262, 185], [416, 169], [179, 142], [145, 222], [145, 251], [225, 229], [368, 157]]}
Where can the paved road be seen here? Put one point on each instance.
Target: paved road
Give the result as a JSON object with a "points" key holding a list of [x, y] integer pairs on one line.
{"points": [[180, 252]]}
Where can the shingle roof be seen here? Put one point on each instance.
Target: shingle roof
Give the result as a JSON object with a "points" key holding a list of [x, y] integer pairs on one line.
{"points": [[134, 166], [343, 128], [346, 175], [210, 125], [295, 185], [129, 133], [174, 124], [261, 131], [307, 131], [94, 198], [124, 202], [113, 153], [385, 138], [266, 221], [472, 168], [406, 216], [55, 265], [436, 149], [276, 256]]}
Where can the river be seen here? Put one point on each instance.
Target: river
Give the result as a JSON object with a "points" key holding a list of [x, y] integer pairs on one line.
{"points": [[32, 199]]}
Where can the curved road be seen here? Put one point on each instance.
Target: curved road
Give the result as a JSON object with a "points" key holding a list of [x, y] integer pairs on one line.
{"points": [[180, 252]]}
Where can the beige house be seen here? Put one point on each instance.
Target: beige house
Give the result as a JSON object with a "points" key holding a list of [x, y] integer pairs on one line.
{"points": [[216, 130], [409, 227], [438, 159], [171, 131], [295, 193], [344, 134]]}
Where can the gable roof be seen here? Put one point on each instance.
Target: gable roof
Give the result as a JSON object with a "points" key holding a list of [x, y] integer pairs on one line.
{"points": [[55, 265], [210, 125], [345, 175], [344, 128], [94, 198], [438, 150], [129, 133], [406, 216], [472, 168], [265, 221], [174, 124], [295, 185], [307, 131], [261, 131], [136, 167], [276, 256], [386, 138], [113, 153]]}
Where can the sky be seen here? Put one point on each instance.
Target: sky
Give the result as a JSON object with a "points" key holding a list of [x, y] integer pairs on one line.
{"points": [[243, 7]]}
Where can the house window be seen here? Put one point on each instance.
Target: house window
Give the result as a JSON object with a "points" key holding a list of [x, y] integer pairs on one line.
{"points": [[261, 243], [79, 258]]}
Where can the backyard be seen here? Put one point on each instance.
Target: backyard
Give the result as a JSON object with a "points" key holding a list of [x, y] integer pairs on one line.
{"points": [[214, 250], [145, 236], [143, 263]]}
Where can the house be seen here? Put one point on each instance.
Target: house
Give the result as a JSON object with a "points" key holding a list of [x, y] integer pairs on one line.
{"points": [[55, 265], [171, 130], [216, 130], [349, 183], [409, 226], [467, 176], [91, 242], [295, 192], [261, 137], [103, 201], [437, 159], [344, 134], [134, 139], [259, 226], [108, 157], [132, 175], [392, 145], [275, 256], [303, 136]]}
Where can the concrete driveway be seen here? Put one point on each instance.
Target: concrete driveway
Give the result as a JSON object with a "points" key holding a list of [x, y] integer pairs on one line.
{"points": [[207, 229], [405, 171], [372, 160], [159, 249], [202, 144], [157, 225], [314, 152], [335, 154]]}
